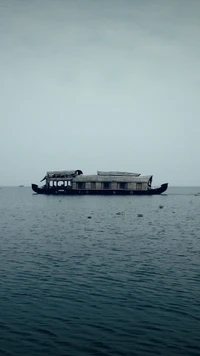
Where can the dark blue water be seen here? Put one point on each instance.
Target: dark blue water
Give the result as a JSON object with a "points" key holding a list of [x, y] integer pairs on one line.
{"points": [[112, 284]]}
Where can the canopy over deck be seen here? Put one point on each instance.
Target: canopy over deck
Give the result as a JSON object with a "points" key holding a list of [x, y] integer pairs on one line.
{"points": [[115, 173], [113, 178], [62, 174]]}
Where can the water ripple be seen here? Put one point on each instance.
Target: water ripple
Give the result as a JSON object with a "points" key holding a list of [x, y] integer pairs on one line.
{"points": [[114, 284]]}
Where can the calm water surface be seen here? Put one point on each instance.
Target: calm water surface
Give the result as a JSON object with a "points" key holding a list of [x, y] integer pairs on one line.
{"points": [[87, 276]]}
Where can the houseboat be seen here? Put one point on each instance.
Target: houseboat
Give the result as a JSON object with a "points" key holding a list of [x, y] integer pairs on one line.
{"points": [[103, 183]]}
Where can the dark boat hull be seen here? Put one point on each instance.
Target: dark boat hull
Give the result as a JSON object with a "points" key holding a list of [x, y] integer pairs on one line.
{"points": [[59, 191]]}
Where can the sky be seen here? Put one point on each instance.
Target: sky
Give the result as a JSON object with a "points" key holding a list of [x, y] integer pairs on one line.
{"points": [[100, 85]]}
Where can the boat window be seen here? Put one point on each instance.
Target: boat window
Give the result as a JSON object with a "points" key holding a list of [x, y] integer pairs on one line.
{"points": [[122, 185], [93, 185], [139, 186], [81, 185], [106, 185]]}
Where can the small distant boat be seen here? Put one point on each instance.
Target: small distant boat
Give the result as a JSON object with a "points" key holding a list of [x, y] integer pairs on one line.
{"points": [[21, 186], [103, 183]]}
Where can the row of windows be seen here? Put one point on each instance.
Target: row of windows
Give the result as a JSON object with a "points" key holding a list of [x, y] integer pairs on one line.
{"points": [[107, 185], [60, 183], [82, 185]]}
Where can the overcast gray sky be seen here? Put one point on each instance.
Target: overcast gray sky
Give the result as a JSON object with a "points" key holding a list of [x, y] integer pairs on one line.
{"points": [[100, 84]]}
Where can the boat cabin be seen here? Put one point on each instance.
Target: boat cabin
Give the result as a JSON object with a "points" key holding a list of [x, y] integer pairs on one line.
{"points": [[60, 179], [63, 180]]}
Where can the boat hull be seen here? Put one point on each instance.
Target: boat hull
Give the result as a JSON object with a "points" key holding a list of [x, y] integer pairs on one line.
{"points": [[59, 191]]}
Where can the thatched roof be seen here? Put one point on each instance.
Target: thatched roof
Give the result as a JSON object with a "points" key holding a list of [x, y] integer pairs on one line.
{"points": [[77, 176], [63, 174], [99, 178], [114, 173]]}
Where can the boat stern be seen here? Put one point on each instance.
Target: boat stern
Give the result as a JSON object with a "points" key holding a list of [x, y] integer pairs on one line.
{"points": [[35, 188], [164, 187]]}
